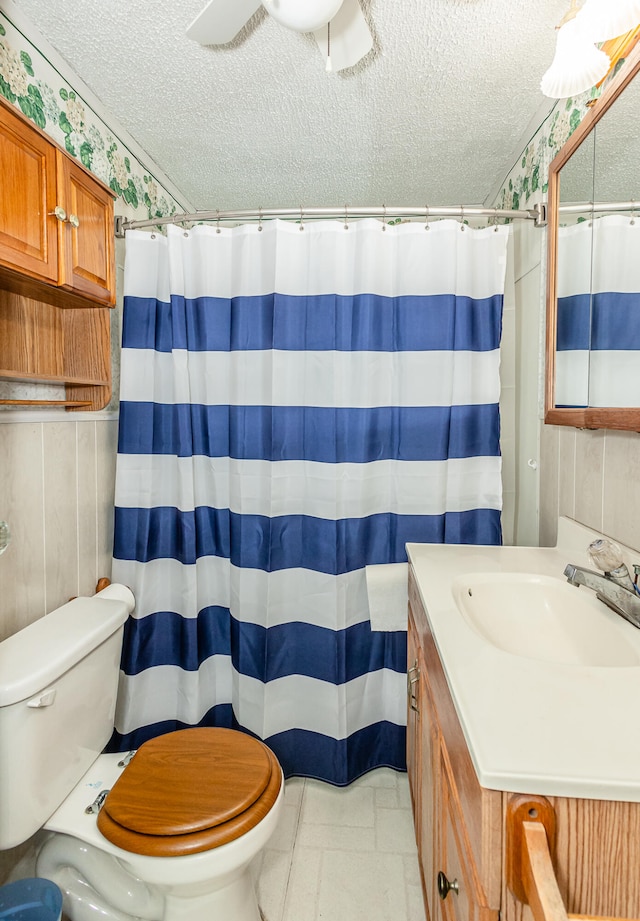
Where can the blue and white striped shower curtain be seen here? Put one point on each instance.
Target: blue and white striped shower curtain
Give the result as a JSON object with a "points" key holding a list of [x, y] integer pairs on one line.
{"points": [[598, 325], [296, 403]]}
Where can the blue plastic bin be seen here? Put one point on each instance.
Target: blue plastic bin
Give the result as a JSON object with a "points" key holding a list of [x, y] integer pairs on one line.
{"points": [[30, 900]]}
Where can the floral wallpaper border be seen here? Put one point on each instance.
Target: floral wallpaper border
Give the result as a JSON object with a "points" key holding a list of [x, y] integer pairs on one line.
{"points": [[32, 84], [528, 180]]}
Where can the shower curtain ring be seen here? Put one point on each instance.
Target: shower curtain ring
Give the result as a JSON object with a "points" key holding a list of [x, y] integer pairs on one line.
{"points": [[301, 219], [384, 217], [462, 217], [427, 225], [259, 219], [346, 218], [217, 221], [633, 213]]}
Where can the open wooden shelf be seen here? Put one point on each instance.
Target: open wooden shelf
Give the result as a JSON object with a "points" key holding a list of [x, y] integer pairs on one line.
{"points": [[36, 377], [39, 342], [67, 403]]}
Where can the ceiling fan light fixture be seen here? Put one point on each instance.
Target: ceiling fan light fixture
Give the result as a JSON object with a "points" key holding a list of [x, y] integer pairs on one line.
{"points": [[302, 17], [577, 65], [602, 20]]}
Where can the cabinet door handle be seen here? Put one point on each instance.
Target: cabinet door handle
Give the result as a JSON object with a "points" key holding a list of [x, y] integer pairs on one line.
{"points": [[59, 213], [74, 220], [445, 887]]}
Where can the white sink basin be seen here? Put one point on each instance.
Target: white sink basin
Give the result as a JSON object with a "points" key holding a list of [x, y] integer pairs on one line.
{"points": [[540, 617]]}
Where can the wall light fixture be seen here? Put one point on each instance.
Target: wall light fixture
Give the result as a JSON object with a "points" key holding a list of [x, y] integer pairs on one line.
{"points": [[578, 63]]}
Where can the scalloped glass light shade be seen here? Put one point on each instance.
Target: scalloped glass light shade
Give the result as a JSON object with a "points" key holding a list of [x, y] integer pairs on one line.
{"points": [[577, 66], [302, 17], [605, 19]]}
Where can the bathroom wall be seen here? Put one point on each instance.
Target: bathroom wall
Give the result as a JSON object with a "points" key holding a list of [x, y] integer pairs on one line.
{"points": [[57, 469], [587, 475], [56, 488], [528, 252], [591, 476]]}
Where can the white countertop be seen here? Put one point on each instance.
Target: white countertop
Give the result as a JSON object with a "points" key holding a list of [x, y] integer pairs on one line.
{"points": [[533, 726]]}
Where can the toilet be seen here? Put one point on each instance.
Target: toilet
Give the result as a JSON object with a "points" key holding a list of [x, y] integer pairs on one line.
{"points": [[166, 833]]}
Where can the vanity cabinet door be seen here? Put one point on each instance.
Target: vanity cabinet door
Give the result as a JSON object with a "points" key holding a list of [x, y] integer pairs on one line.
{"points": [[413, 721], [429, 746], [421, 762], [460, 892]]}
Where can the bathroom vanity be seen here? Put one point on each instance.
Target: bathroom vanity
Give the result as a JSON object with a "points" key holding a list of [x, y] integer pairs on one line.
{"points": [[522, 689]]}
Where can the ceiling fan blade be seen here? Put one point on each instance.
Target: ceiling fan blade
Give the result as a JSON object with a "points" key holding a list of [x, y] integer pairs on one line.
{"points": [[221, 20], [350, 38]]}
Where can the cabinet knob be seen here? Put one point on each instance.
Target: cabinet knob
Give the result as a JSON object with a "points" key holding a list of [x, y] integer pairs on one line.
{"points": [[74, 220], [59, 213], [445, 887]]}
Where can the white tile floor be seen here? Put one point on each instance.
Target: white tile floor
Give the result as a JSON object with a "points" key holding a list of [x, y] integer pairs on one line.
{"points": [[343, 853]]}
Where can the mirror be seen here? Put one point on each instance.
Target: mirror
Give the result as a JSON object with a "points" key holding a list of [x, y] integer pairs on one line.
{"points": [[593, 278]]}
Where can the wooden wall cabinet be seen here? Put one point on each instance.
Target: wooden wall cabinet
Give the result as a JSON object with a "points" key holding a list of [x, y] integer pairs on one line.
{"points": [[57, 267], [461, 827]]}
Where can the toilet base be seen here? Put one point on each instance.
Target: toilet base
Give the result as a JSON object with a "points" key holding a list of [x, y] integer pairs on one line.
{"points": [[237, 900], [96, 887]]}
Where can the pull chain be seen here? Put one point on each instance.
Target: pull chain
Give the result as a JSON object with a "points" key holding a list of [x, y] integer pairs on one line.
{"points": [[328, 66]]}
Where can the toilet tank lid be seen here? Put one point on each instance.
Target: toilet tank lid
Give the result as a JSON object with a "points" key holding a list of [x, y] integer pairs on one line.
{"points": [[38, 655]]}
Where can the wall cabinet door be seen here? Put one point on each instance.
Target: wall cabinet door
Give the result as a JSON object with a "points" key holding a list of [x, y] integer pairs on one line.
{"points": [[28, 226], [87, 258]]}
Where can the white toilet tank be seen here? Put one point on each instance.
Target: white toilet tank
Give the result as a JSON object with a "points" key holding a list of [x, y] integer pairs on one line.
{"points": [[58, 686]]}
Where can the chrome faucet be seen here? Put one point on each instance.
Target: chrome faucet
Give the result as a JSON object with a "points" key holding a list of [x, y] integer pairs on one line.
{"points": [[614, 588]]}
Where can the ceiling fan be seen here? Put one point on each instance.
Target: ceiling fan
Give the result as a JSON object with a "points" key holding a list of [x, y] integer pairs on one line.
{"points": [[338, 26]]}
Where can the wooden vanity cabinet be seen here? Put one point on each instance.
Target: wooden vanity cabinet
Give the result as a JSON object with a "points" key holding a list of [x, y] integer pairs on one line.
{"points": [[458, 823], [57, 267], [461, 827]]}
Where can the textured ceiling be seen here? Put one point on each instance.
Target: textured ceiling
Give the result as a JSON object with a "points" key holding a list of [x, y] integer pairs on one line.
{"points": [[435, 114]]}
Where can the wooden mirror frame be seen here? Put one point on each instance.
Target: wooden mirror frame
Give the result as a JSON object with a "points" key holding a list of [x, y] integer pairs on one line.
{"points": [[607, 417]]}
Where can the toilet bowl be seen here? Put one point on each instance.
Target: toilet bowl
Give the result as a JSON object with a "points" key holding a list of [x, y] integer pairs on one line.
{"points": [[165, 835], [176, 830]]}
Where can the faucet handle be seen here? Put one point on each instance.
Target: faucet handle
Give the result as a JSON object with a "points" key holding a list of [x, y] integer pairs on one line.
{"points": [[605, 554]]}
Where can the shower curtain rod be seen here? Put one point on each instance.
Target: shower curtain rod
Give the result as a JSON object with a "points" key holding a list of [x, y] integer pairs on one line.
{"points": [[345, 213], [596, 207]]}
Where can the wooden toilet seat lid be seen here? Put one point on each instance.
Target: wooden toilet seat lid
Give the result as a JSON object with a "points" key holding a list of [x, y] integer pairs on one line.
{"points": [[189, 781]]}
